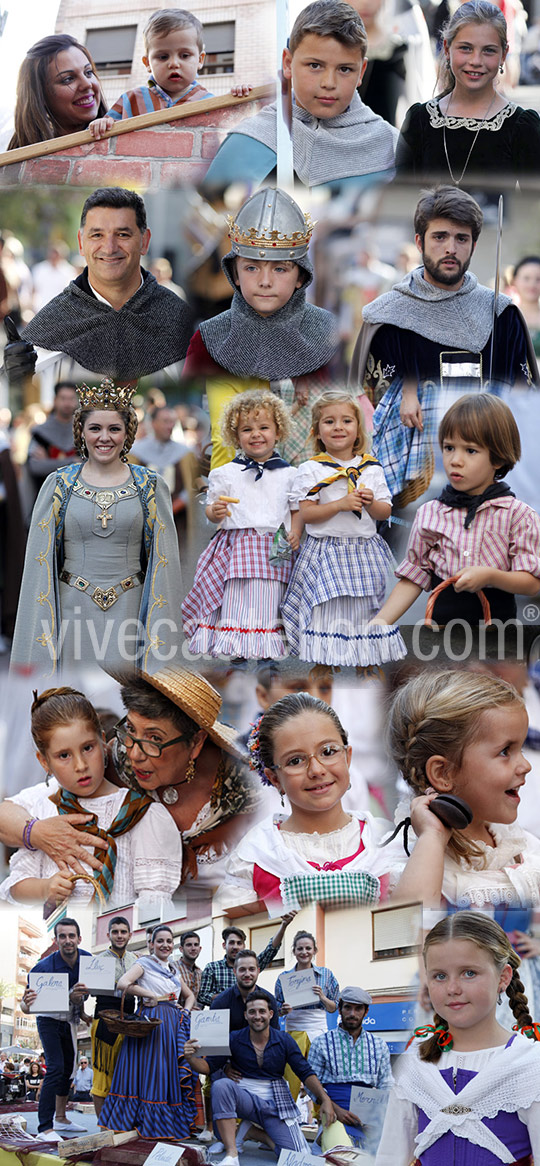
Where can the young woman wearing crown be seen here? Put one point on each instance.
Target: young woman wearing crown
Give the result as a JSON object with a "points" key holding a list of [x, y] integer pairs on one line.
{"points": [[102, 572]]}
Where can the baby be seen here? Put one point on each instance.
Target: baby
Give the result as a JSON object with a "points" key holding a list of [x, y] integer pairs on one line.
{"points": [[173, 54]]}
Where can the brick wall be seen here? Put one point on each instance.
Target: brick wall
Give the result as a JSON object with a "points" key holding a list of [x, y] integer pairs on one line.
{"points": [[166, 155]]}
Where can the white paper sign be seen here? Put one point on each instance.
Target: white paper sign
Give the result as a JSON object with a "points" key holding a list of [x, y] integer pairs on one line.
{"points": [[298, 987], [97, 972], [52, 991], [166, 1155], [211, 1029], [370, 1106], [297, 1158]]}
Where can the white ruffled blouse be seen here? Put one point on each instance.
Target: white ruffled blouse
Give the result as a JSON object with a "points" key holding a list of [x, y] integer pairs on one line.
{"points": [[149, 857]]}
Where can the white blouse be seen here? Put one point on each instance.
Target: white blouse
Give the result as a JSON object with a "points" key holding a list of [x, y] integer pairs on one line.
{"points": [[345, 524], [262, 505], [149, 857], [397, 1145]]}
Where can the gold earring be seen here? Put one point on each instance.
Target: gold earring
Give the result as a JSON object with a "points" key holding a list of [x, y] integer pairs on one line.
{"points": [[84, 448], [190, 771]]}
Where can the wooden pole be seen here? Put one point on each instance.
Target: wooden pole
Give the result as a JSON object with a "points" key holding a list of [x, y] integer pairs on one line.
{"points": [[143, 121]]}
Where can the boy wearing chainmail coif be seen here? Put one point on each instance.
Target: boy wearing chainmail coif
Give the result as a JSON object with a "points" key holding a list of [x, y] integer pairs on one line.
{"points": [[270, 333]]}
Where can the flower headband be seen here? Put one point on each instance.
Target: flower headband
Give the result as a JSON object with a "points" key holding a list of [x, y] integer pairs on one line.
{"points": [[254, 749]]}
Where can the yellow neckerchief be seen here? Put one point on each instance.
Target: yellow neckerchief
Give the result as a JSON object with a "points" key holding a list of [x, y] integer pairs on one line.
{"points": [[351, 473]]}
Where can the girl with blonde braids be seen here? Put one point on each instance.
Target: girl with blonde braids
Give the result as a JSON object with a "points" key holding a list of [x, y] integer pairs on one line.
{"points": [[102, 571], [461, 733], [470, 1093]]}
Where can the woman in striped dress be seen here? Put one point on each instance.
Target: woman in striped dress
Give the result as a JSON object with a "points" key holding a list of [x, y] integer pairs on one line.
{"points": [[153, 1088]]}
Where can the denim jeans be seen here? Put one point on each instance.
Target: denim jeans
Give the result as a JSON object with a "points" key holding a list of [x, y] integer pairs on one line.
{"points": [[57, 1041]]}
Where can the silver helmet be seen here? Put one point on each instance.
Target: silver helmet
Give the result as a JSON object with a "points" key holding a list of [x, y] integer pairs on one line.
{"points": [[270, 225]]}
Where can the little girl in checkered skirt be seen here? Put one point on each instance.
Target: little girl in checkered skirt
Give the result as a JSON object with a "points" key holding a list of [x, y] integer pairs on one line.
{"points": [[233, 606], [339, 579]]}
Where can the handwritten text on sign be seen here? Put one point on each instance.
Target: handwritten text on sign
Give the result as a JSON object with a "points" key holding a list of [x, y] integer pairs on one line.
{"points": [[298, 987], [211, 1030], [52, 991], [97, 972]]}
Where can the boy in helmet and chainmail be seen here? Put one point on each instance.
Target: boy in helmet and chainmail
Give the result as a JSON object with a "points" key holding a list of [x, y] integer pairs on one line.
{"points": [[270, 333]]}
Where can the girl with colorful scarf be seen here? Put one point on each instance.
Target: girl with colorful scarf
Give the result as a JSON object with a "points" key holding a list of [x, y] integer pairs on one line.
{"points": [[340, 576], [470, 1093], [136, 831]]}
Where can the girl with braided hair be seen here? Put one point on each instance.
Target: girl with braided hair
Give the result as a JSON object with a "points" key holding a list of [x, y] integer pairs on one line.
{"points": [[136, 831], [461, 733], [102, 570], [470, 1093]]}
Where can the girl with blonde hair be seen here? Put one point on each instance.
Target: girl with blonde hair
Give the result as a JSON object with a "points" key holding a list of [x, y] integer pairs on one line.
{"points": [[461, 734], [233, 606], [470, 1093], [343, 565]]}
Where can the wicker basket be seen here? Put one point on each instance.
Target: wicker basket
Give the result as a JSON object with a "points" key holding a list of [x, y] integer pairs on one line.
{"points": [[486, 610], [86, 878], [128, 1025], [417, 486]]}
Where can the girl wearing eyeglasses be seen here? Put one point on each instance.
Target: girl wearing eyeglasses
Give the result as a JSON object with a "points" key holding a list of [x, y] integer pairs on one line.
{"points": [[131, 831], [315, 850]]}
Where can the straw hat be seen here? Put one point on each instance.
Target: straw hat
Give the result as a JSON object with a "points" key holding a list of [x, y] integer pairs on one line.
{"points": [[199, 700]]}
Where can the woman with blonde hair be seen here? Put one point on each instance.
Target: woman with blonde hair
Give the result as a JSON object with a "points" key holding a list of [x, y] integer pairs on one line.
{"points": [[470, 127]]}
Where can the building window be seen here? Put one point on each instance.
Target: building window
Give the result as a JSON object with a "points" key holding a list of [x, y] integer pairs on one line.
{"points": [[396, 931], [219, 47], [112, 48]]}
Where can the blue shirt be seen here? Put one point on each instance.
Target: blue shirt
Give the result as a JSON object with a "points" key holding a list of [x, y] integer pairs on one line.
{"points": [[232, 999], [280, 1050]]}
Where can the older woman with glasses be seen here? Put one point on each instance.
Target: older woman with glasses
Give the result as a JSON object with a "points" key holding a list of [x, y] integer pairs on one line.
{"points": [[171, 746]]}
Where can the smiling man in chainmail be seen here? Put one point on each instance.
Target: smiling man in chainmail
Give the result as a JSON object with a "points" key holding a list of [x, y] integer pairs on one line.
{"points": [[115, 319]]}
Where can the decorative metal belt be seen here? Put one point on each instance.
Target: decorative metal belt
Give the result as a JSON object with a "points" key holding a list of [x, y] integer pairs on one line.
{"points": [[104, 598]]}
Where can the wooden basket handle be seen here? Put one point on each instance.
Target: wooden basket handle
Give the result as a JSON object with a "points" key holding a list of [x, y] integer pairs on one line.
{"points": [[98, 891], [486, 610]]}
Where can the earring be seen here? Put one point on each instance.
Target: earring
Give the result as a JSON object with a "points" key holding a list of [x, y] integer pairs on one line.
{"points": [[501, 70], [190, 771], [499, 998], [47, 779], [282, 796], [84, 448]]}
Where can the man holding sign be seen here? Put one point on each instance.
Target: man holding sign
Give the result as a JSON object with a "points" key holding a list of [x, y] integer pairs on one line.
{"points": [[106, 1044], [260, 1053], [57, 1026], [347, 1056]]}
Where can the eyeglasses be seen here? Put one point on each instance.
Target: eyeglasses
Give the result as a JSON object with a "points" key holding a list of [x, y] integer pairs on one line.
{"points": [[149, 748], [326, 754]]}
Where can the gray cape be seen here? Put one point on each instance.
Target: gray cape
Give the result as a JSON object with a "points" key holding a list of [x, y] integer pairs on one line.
{"points": [[457, 317], [151, 331], [355, 143]]}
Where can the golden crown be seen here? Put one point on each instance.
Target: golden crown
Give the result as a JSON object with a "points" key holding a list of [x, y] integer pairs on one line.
{"points": [[106, 395], [272, 238]]}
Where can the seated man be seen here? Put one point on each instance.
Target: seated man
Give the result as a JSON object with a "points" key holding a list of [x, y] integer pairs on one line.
{"points": [[335, 136], [346, 1056], [260, 1054]]}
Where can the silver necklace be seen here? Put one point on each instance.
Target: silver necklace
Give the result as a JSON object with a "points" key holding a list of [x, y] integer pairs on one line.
{"points": [[482, 122]]}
